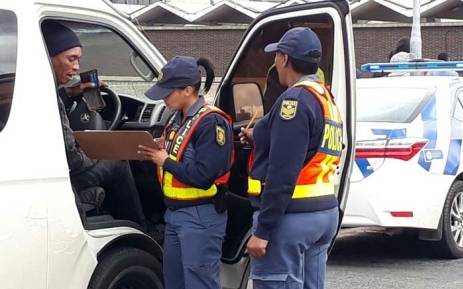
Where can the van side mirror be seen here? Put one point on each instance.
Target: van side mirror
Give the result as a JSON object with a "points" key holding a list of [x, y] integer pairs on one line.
{"points": [[247, 98]]}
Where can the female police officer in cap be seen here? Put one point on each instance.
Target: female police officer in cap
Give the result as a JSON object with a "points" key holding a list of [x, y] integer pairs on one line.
{"points": [[297, 146], [192, 169]]}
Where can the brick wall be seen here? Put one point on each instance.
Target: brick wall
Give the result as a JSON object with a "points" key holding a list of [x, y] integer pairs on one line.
{"points": [[217, 45], [373, 44]]}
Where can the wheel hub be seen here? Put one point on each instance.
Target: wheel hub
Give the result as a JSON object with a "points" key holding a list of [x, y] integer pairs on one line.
{"points": [[456, 219]]}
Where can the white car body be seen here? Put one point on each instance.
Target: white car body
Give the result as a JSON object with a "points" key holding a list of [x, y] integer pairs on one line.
{"points": [[413, 190]]}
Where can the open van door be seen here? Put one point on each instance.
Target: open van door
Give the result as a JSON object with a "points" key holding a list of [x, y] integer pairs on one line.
{"points": [[250, 86]]}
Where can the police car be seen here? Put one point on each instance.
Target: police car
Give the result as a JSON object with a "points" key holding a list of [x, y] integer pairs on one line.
{"points": [[407, 170], [44, 241]]}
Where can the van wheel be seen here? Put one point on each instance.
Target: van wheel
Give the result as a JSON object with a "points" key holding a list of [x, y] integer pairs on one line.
{"points": [[451, 244], [127, 268]]}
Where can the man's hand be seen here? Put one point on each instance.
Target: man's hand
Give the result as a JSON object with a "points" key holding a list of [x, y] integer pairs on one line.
{"points": [[79, 89], [158, 156], [257, 247]]}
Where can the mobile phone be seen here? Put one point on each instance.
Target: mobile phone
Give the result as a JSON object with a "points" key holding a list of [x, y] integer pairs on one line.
{"points": [[92, 96]]}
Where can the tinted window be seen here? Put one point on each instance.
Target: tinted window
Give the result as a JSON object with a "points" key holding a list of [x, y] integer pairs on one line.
{"points": [[390, 104], [8, 51]]}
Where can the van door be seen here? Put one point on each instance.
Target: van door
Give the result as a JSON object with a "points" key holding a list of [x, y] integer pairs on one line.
{"points": [[250, 87], [27, 175]]}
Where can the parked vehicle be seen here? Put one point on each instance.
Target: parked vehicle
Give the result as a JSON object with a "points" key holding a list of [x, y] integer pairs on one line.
{"points": [[44, 242]]}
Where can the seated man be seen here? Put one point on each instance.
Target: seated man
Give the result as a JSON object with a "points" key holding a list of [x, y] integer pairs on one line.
{"points": [[115, 177]]}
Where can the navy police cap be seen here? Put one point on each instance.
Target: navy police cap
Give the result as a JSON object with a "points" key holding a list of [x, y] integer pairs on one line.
{"points": [[300, 43], [179, 72]]}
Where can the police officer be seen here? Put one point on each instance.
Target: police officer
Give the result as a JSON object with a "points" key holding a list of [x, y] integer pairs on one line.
{"points": [[193, 168], [297, 147], [115, 177]]}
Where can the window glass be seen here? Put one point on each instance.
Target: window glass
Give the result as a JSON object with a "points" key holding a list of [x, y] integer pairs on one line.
{"points": [[248, 101], [458, 113], [116, 61], [256, 66], [8, 55], [390, 104]]}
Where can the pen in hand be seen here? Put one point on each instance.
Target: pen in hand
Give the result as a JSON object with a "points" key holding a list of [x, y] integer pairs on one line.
{"points": [[246, 133]]}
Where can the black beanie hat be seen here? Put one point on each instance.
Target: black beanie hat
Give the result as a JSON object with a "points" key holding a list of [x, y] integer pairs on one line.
{"points": [[59, 37]]}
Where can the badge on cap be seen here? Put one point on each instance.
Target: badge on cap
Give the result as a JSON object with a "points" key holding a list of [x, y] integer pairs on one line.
{"points": [[288, 109], [220, 135]]}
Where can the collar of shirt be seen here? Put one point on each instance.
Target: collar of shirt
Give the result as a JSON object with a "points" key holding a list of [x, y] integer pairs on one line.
{"points": [[192, 111], [312, 77]]}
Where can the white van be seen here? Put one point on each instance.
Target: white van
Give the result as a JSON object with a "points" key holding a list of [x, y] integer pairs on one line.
{"points": [[44, 241]]}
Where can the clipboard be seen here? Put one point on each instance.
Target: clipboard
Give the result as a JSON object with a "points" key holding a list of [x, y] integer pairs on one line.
{"points": [[114, 145]]}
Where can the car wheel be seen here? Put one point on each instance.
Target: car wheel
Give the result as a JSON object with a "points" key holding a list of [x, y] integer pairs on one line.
{"points": [[451, 244], [127, 268]]}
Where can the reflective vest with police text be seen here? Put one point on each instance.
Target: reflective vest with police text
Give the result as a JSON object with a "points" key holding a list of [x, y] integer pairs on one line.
{"points": [[177, 140], [316, 178]]}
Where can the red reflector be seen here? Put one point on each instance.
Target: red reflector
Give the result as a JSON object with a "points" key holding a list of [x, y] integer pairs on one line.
{"points": [[402, 214]]}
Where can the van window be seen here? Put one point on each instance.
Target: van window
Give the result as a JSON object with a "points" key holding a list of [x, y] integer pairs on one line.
{"points": [[100, 47], [8, 55], [256, 66]]}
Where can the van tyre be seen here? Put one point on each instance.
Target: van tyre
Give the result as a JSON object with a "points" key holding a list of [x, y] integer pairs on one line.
{"points": [[127, 268], [451, 244]]}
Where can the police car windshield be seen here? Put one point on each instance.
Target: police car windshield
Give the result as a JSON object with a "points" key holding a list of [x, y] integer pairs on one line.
{"points": [[390, 104]]}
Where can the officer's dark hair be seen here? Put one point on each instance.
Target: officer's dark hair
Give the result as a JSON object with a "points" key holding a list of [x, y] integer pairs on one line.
{"points": [[403, 45], [210, 75], [303, 67], [443, 56]]}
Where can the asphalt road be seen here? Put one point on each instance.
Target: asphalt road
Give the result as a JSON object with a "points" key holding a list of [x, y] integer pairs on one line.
{"points": [[370, 258]]}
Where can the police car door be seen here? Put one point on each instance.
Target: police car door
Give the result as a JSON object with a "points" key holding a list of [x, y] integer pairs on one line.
{"points": [[250, 87]]}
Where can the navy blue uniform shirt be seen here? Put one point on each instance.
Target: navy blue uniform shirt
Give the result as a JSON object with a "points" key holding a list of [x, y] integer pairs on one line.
{"points": [[204, 159], [282, 147]]}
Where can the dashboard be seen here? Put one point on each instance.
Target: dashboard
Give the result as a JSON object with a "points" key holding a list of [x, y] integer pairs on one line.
{"points": [[143, 114]]}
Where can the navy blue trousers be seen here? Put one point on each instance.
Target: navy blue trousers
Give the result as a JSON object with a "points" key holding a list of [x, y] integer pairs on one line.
{"points": [[297, 252], [193, 247]]}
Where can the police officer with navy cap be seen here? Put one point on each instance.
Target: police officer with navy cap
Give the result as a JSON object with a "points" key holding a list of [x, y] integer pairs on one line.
{"points": [[297, 147], [193, 170]]}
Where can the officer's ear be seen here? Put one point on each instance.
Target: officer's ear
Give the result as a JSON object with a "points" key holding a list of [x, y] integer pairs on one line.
{"points": [[285, 60], [189, 90]]}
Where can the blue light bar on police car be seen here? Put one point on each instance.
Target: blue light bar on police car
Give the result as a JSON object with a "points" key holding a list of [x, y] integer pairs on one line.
{"points": [[413, 66]]}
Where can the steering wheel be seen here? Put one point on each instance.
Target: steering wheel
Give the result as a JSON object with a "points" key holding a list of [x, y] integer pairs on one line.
{"points": [[81, 118]]}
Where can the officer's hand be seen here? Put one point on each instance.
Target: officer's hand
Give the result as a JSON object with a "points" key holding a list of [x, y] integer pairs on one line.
{"points": [[158, 156], [246, 136], [257, 247]]}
